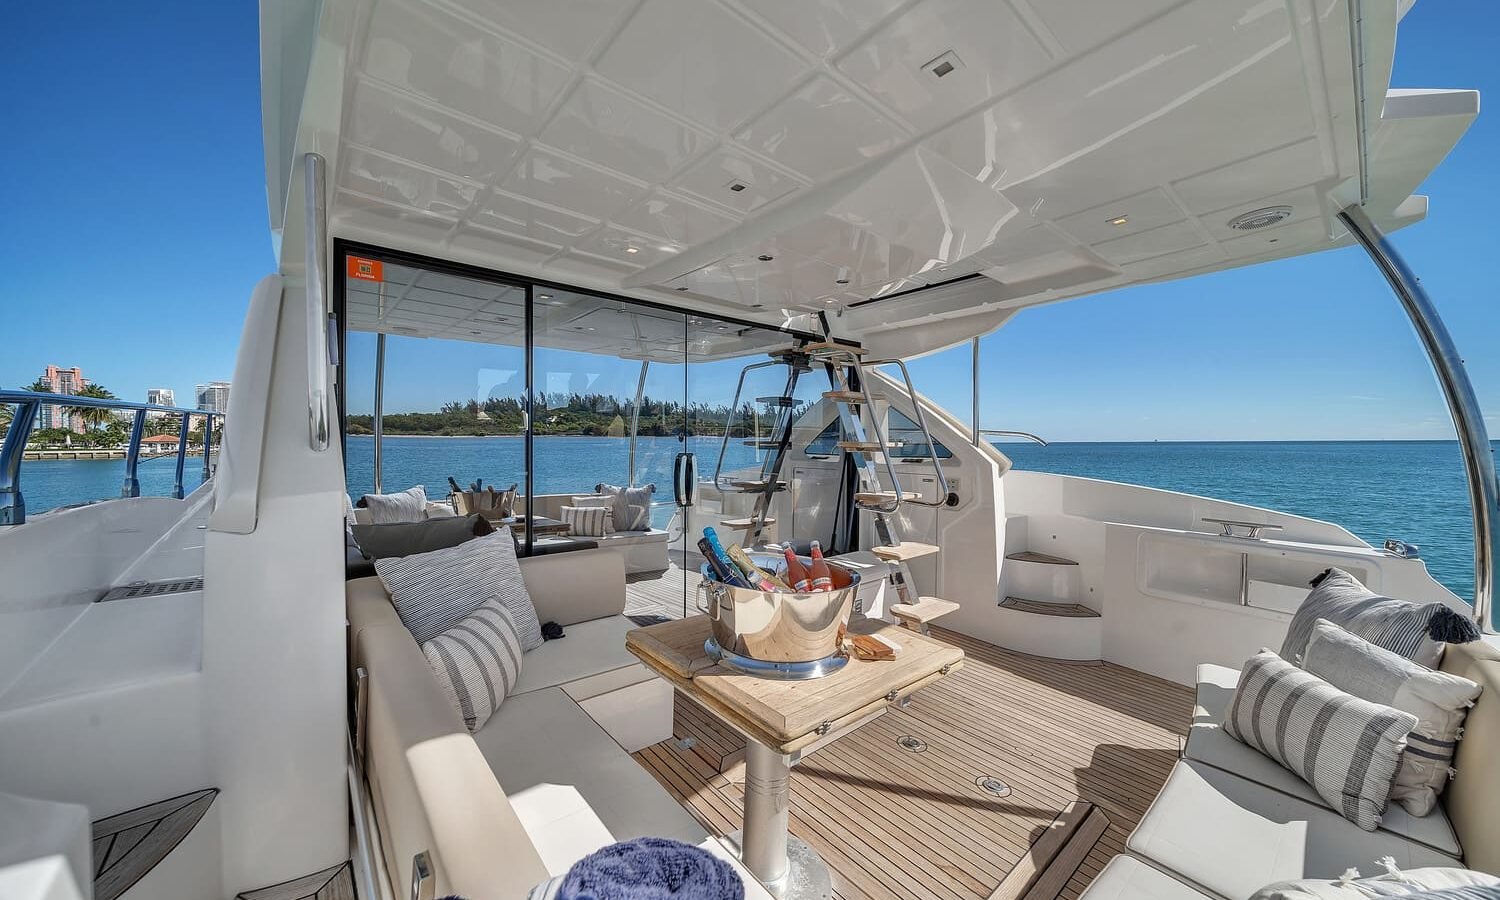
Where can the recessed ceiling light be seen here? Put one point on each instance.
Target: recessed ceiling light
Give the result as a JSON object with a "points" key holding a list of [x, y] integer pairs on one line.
{"points": [[476, 332], [682, 289], [765, 257], [944, 65], [722, 327], [841, 281], [737, 186], [632, 250], [1119, 220], [544, 296]]}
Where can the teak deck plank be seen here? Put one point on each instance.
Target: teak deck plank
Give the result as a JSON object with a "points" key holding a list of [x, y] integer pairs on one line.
{"points": [[897, 825]]}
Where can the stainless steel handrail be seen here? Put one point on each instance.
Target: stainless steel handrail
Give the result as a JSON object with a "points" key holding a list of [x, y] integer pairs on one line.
{"points": [[316, 276], [916, 405], [1025, 434], [1463, 405], [29, 403]]}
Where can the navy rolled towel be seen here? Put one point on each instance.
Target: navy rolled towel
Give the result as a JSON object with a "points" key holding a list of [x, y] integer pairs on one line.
{"points": [[651, 868]]}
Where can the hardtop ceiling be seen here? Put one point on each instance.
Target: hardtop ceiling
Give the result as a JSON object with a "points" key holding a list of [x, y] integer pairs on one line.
{"points": [[779, 157]]}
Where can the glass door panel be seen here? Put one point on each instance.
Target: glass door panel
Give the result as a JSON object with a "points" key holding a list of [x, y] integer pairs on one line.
{"points": [[609, 401]]}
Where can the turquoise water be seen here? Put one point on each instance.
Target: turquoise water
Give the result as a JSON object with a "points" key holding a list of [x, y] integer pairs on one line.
{"points": [[1412, 490]]}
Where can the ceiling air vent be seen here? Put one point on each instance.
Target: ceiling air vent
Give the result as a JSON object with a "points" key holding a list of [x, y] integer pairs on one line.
{"points": [[153, 588], [1260, 218], [943, 65]]}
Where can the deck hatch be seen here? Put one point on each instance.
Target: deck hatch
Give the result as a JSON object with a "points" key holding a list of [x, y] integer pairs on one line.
{"points": [[153, 589]]}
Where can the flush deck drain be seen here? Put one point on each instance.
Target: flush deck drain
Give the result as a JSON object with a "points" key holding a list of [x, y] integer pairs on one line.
{"points": [[911, 744], [992, 786]]}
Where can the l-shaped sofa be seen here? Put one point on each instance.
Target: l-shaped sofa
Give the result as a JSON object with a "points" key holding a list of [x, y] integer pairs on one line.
{"points": [[1229, 820], [549, 778]]}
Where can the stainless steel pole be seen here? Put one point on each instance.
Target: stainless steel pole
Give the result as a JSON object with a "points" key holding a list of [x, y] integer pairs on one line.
{"points": [[768, 786], [132, 485], [184, 429], [316, 275], [635, 416], [1473, 439], [12, 503], [377, 422], [208, 447], [974, 390]]}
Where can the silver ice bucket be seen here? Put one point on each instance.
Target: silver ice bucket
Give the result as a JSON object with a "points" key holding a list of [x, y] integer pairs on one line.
{"points": [[778, 628]]}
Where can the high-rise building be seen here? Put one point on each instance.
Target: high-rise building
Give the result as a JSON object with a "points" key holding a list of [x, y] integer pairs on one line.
{"points": [[62, 381], [161, 396], [214, 396]]}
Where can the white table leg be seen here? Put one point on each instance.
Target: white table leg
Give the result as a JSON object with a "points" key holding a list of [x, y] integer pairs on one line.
{"points": [[788, 867]]}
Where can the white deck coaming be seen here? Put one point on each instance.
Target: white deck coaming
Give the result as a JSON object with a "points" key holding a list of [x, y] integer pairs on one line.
{"points": [[636, 136]]}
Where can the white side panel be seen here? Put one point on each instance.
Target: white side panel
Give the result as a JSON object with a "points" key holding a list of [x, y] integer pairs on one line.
{"points": [[237, 485], [273, 622]]}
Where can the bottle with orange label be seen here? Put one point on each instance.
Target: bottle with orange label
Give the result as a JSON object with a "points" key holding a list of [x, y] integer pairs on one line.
{"points": [[818, 572], [797, 575]]}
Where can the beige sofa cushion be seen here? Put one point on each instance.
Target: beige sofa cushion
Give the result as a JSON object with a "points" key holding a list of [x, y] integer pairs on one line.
{"points": [[1209, 743], [587, 649], [1473, 796], [575, 587], [543, 738], [1127, 878], [1232, 836]]}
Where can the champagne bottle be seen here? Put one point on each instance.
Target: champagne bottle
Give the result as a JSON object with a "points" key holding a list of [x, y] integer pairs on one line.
{"points": [[796, 573], [721, 567], [752, 572], [818, 572]]}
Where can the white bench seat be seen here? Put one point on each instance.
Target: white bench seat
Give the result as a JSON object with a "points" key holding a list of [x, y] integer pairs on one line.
{"points": [[1127, 878], [1209, 743], [1232, 836]]}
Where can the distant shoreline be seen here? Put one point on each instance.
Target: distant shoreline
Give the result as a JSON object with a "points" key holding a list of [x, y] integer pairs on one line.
{"points": [[996, 443]]}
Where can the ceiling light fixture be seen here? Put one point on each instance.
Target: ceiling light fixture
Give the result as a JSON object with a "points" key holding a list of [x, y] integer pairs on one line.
{"points": [[843, 277], [1119, 220], [737, 186], [632, 250], [682, 289], [544, 296], [765, 257], [943, 65]]}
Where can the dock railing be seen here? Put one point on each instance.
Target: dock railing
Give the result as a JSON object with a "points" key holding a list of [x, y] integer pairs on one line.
{"points": [[27, 407]]}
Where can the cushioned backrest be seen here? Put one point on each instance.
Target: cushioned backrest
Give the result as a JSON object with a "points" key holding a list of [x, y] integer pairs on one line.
{"points": [[1473, 796]]}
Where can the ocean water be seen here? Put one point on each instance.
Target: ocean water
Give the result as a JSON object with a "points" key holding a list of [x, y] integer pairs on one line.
{"points": [[1412, 490]]}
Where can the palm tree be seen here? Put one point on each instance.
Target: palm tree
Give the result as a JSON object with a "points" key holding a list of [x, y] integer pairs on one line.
{"points": [[40, 386], [93, 416]]}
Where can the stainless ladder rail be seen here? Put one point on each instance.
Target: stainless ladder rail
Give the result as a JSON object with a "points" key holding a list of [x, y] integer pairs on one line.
{"points": [[770, 470]]}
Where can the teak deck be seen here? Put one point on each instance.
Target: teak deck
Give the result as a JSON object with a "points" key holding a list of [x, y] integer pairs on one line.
{"points": [[905, 825]]}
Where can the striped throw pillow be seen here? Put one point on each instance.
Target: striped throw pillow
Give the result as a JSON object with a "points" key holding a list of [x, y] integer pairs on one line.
{"points": [[1418, 633], [1348, 749], [477, 662], [587, 521], [433, 591], [1440, 702]]}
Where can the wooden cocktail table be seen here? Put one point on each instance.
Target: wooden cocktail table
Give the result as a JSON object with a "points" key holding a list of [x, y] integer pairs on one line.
{"points": [[784, 720]]}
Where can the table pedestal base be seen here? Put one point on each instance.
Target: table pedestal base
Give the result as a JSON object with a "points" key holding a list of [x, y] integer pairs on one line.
{"points": [[807, 876]]}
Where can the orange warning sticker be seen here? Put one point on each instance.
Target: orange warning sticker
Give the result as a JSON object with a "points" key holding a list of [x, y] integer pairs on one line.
{"points": [[366, 269]]}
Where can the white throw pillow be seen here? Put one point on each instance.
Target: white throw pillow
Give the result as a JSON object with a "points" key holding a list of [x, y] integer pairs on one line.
{"points": [[477, 662], [632, 505], [586, 521], [1394, 883], [408, 506], [1348, 749], [1439, 701], [598, 500], [433, 591]]}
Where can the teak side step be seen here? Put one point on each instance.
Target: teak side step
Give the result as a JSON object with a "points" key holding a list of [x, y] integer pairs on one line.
{"points": [[865, 446], [880, 498], [741, 524], [1032, 556], [923, 611], [904, 551], [1042, 608], [130, 844]]}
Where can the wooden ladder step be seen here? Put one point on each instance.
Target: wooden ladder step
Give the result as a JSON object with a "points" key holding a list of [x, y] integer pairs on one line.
{"points": [[742, 524], [904, 551], [844, 396], [923, 611], [864, 446], [1032, 556], [1043, 608], [778, 400], [1056, 854], [757, 487], [762, 443], [833, 348], [881, 498]]}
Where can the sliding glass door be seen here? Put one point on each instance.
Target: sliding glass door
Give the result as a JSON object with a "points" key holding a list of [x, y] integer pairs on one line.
{"points": [[578, 399]]}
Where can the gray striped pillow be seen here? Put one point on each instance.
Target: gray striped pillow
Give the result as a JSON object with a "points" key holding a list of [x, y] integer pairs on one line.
{"points": [[1416, 632], [477, 662], [1348, 749], [432, 591], [587, 521]]}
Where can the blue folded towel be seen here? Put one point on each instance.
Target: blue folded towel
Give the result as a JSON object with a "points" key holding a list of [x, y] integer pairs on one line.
{"points": [[651, 868]]}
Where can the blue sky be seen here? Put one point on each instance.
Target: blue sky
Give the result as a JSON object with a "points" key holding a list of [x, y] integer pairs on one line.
{"points": [[136, 227]]}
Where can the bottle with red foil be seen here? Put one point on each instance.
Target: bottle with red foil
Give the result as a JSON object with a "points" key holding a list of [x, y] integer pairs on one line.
{"points": [[818, 572], [796, 573]]}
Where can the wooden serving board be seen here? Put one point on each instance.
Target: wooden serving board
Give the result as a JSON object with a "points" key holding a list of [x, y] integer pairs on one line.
{"points": [[789, 715]]}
